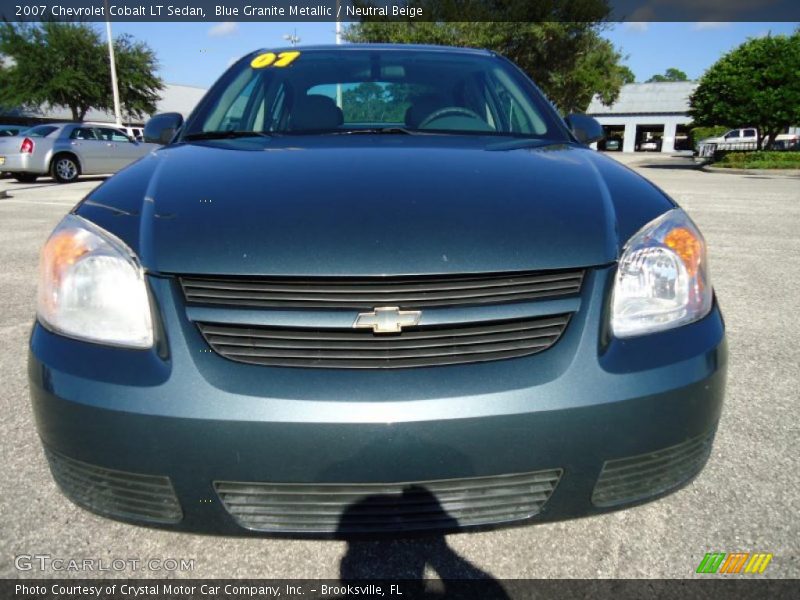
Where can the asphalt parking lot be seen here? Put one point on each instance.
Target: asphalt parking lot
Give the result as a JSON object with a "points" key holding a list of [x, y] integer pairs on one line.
{"points": [[747, 498]]}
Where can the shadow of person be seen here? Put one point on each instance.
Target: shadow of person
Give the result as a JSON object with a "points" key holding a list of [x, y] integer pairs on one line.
{"points": [[414, 511]]}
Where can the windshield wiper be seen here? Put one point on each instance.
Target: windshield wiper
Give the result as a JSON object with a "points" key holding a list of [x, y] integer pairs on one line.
{"points": [[525, 142], [225, 135], [383, 130]]}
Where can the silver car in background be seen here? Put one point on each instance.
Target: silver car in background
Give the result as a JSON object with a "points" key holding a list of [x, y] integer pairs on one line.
{"points": [[67, 150]]}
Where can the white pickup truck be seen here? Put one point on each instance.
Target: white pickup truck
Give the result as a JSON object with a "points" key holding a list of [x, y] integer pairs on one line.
{"points": [[745, 138], [747, 135]]}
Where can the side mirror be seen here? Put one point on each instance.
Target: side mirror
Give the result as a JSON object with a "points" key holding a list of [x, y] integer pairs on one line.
{"points": [[585, 129], [161, 128]]}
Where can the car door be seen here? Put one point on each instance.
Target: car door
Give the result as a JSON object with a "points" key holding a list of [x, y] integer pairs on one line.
{"points": [[732, 137], [90, 149], [750, 135], [122, 149]]}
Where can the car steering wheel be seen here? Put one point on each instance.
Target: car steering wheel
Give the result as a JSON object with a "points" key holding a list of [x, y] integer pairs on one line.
{"points": [[448, 111]]}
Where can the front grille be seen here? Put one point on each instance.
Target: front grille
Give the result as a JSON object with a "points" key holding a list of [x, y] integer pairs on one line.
{"points": [[116, 493], [639, 477], [420, 346], [368, 292], [387, 507]]}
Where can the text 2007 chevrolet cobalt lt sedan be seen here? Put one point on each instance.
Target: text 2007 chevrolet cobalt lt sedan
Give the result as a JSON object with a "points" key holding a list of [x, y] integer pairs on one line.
{"points": [[370, 289]]}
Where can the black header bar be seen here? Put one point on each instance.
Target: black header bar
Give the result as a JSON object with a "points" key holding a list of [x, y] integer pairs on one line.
{"points": [[400, 10]]}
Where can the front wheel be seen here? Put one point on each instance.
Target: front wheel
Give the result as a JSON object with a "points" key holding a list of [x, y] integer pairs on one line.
{"points": [[64, 169], [25, 177]]}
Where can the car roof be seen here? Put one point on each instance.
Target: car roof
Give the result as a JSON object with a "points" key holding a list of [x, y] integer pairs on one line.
{"points": [[50, 125], [382, 47]]}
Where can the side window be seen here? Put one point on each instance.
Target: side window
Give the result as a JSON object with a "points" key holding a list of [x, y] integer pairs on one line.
{"points": [[749, 133], [119, 136], [82, 133], [732, 135], [111, 135]]}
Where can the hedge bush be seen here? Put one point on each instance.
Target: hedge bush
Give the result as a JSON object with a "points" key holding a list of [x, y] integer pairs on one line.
{"points": [[759, 160]]}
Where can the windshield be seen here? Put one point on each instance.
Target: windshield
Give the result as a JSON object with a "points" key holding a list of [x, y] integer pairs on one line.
{"points": [[374, 90]]}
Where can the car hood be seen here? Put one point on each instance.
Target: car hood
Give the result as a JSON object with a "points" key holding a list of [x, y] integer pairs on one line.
{"points": [[365, 205]]}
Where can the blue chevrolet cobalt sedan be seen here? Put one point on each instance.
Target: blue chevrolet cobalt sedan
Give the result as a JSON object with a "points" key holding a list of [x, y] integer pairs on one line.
{"points": [[369, 289]]}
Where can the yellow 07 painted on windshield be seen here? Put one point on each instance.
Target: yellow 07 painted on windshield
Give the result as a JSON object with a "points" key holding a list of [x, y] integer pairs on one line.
{"points": [[270, 59]]}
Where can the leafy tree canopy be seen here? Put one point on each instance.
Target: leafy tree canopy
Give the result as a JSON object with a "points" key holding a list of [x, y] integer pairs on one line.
{"points": [[671, 74], [756, 84], [627, 75], [557, 43], [66, 64]]}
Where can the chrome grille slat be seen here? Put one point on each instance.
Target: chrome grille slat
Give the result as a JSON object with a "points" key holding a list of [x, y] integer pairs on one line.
{"points": [[375, 285], [116, 493], [666, 455], [352, 335], [419, 346], [257, 501], [647, 468], [438, 341], [317, 510], [323, 490], [367, 292], [388, 353], [639, 477], [406, 506], [345, 299]]}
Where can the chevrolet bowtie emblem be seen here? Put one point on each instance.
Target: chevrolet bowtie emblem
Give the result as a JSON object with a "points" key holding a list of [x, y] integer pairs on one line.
{"points": [[387, 319]]}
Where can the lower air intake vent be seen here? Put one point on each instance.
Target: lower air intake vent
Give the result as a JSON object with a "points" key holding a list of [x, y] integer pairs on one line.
{"points": [[639, 477], [361, 349], [116, 493], [387, 507]]}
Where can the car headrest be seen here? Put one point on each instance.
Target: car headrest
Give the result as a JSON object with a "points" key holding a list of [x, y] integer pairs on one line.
{"points": [[315, 112]]}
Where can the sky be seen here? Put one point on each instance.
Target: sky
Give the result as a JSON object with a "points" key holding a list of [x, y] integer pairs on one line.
{"points": [[198, 53]]}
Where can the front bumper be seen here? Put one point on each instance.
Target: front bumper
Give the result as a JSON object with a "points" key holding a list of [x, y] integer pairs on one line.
{"points": [[263, 449]]}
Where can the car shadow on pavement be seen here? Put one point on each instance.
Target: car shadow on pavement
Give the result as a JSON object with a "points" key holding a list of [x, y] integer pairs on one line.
{"points": [[405, 559]]}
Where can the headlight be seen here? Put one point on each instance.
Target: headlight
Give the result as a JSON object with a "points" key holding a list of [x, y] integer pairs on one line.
{"points": [[91, 287], [662, 279]]}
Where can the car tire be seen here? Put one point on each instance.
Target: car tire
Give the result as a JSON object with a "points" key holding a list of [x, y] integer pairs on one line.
{"points": [[25, 177], [64, 168]]}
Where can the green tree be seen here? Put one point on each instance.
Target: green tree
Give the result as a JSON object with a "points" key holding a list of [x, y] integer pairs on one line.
{"points": [[139, 87], [756, 84], [627, 75], [557, 43], [671, 74], [66, 64]]}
